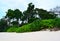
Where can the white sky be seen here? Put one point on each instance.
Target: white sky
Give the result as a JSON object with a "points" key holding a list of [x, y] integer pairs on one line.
{"points": [[22, 5]]}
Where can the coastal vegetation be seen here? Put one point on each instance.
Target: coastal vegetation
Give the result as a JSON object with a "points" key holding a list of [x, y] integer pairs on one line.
{"points": [[32, 19]]}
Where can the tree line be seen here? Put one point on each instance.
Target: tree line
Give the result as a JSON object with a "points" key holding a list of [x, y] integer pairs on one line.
{"points": [[19, 18]]}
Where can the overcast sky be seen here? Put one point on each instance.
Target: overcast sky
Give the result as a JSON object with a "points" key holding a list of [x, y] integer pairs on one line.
{"points": [[22, 5]]}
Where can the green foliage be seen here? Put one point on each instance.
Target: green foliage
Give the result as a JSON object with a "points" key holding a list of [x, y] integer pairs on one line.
{"points": [[3, 25], [35, 26], [14, 23], [18, 14], [25, 28], [33, 23], [28, 15], [57, 22], [10, 14], [12, 29], [47, 23], [32, 19], [42, 24], [44, 14]]}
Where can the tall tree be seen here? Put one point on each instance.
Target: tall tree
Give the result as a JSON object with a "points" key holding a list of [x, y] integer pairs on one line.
{"points": [[14, 14], [9, 15], [18, 14], [3, 25], [29, 13], [44, 14]]}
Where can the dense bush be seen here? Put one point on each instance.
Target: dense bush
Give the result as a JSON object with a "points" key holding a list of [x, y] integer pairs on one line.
{"points": [[57, 22], [25, 28], [3, 25], [47, 23], [36, 25], [12, 29]]}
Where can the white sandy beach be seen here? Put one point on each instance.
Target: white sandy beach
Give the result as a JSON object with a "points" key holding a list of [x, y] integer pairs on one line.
{"points": [[31, 36]]}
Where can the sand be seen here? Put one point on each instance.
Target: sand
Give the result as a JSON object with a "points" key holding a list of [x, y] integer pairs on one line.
{"points": [[31, 36]]}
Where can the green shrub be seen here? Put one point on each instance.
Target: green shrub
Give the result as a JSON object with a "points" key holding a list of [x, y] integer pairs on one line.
{"points": [[47, 23], [35, 26], [57, 22], [25, 28], [12, 29]]}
